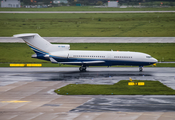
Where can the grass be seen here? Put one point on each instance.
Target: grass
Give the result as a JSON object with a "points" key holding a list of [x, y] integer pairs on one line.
{"points": [[165, 65], [49, 64], [86, 8], [90, 25], [120, 88], [21, 53]]}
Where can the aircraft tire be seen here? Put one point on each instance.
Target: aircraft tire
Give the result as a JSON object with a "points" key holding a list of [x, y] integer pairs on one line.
{"points": [[82, 69], [140, 68]]}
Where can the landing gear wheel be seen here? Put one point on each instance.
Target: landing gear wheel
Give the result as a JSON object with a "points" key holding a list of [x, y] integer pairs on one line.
{"points": [[140, 68], [82, 69]]}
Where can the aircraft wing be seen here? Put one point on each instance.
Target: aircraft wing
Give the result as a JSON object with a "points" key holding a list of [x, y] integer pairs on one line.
{"points": [[82, 62]]}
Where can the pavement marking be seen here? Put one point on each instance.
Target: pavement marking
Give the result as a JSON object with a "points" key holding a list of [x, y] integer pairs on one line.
{"points": [[42, 105], [14, 101]]}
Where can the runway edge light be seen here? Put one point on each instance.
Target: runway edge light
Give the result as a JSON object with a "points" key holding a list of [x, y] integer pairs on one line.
{"points": [[130, 79], [154, 64]]}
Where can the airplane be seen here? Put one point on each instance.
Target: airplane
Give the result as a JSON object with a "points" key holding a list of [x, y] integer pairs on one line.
{"points": [[61, 54]]}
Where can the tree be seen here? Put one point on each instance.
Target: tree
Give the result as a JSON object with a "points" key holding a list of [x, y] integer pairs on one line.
{"points": [[47, 1], [99, 3], [27, 2]]}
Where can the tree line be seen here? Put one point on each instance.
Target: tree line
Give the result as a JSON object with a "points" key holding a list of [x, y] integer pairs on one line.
{"points": [[92, 2]]}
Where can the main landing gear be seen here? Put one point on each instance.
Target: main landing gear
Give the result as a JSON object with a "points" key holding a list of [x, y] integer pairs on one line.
{"points": [[140, 68], [82, 69]]}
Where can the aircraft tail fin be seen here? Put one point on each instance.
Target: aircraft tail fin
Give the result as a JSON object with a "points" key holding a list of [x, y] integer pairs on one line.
{"points": [[39, 45]]}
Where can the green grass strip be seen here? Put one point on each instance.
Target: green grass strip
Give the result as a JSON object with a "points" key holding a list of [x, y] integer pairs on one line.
{"points": [[90, 25], [49, 64], [87, 8], [120, 88], [21, 53]]}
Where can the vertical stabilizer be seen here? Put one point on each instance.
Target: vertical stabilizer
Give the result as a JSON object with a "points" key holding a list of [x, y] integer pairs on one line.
{"points": [[41, 46], [36, 42]]}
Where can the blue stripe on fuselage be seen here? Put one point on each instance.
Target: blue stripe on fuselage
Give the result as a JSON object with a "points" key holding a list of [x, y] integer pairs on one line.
{"points": [[106, 63], [36, 50]]}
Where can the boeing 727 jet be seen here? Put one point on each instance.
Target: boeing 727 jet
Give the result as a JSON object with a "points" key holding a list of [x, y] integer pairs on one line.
{"points": [[61, 54]]}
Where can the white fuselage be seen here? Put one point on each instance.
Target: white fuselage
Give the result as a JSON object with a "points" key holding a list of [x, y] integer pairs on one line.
{"points": [[110, 57], [59, 53]]}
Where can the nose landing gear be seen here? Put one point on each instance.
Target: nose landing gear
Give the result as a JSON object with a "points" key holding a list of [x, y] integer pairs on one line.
{"points": [[82, 69], [140, 68]]}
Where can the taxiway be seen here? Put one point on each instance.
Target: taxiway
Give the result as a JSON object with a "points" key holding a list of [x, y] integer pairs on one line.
{"points": [[27, 93], [96, 40]]}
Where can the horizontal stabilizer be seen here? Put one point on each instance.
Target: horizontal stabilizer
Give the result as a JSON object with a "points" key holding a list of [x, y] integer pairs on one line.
{"points": [[25, 35]]}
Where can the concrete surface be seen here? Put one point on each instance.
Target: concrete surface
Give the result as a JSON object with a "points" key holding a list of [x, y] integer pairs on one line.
{"points": [[27, 93], [45, 105], [96, 39], [94, 75], [128, 103]]}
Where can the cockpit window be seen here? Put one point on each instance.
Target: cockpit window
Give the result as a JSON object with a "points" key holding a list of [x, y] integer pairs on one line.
{"points": [[148, 57]]}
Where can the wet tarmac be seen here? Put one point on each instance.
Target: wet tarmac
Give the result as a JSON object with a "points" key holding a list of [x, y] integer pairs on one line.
{"points": [[99, 75], [94, 75], [125, 103]]}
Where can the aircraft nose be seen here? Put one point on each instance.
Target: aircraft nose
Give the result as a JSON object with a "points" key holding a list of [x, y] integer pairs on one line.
{"points": [[155, 60]]}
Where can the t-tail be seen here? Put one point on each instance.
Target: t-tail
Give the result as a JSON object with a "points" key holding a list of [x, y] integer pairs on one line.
{"points": [[41, 46]]}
